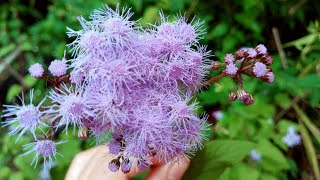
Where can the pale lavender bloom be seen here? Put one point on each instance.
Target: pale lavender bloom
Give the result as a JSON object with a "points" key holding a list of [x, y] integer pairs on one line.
{"points": [[252, 53], [27, 116], [231, 69], [255, 155], [69, 105], [43, 148], [58, 68], [36, 70], [292, 138], [259, 69], [261, 49], [229, 59]]}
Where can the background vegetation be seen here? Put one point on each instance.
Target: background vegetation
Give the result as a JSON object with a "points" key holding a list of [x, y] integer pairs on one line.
{"points": [[34, 31]]}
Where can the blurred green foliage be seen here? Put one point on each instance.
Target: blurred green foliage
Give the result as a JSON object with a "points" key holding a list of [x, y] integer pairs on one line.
{"points": [[34, 31]]}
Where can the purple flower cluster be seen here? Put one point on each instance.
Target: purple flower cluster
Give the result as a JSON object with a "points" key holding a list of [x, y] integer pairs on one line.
{"points": [[136, 84], [133, 84]]}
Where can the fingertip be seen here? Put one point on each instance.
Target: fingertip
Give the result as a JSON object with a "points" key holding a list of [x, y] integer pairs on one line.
{"points": [[178, 169]]}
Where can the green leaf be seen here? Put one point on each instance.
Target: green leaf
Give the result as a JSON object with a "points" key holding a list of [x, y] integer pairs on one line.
{"points": [[216, 156], [272, 158], [29, 81], [16, 176], [7, 49], [240, 171], [283, 100], [220, 30], [302, 41], [5, 172], [149, 16], [13, 91]]}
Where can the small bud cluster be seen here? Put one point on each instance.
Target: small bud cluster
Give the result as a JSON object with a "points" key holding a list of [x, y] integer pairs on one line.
{"points": [[253, 62]]}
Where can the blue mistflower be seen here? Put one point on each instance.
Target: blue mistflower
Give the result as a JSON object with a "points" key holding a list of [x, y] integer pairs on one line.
{"points": [[27, 116]]}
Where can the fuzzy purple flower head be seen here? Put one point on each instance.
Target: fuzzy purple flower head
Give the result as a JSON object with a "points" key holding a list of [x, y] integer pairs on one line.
{"points": [[36, 70], [134, 85]]}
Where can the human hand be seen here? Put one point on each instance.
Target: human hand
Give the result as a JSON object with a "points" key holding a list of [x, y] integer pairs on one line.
{"points": [[93, 164]]}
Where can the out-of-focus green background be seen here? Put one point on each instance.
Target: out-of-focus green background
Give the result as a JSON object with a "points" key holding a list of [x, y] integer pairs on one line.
{"points": [[35, 31]]}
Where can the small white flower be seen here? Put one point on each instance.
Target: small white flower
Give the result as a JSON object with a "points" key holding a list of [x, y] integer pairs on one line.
{"points": [[255, 155], [292, 138]]}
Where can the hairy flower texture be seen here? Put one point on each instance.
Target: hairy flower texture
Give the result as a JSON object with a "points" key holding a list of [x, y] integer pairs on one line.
{"points": [[292, 138], [229, 58], [36, 70], [58, 68], [23, 118], [76, 77], [231, 69], [68, 105], [114, 146], [43, 148], [261, 49], [259, 69], [251, 53]]}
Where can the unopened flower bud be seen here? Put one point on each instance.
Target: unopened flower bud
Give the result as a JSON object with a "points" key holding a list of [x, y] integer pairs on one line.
{"points": [[259, 69], [58, 68], [126, 166], [267, 60], [83, 133], [251, 53], [142, 165], [229, 58], [232, 96], [242, 94], [249, 100], [215, 65], [36, 70], [231, 69], [240, 54], [114, 165], [261, 49], [268, 77]]}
